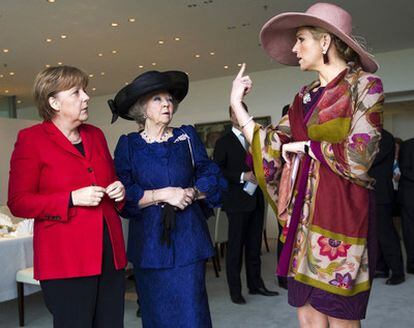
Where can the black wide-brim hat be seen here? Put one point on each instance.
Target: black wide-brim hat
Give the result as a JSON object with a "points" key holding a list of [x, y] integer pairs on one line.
{"points": [[173, 82]]}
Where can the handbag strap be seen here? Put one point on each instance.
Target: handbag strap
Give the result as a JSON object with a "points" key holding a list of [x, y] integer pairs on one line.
{"points": [[190, 147]]}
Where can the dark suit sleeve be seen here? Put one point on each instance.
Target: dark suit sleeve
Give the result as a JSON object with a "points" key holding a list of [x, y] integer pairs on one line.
{"points": [[406, 161], [220, 157], [386, 147]]}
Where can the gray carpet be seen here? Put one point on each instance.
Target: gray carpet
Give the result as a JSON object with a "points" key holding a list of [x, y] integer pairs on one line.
{"points": [[390, 306]]}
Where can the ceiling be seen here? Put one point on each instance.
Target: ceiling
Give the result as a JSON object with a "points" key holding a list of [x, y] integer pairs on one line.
{"points": [[227, 28]]}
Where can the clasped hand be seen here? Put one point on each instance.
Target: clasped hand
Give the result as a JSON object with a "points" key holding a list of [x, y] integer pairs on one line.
{"points": [[180, 197], [92, 196]]}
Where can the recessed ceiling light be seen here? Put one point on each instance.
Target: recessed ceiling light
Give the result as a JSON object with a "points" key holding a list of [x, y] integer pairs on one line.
{"points": [[102, 73], [153, 64], [48, 40], [11, 73], [100, 54], [197, 56], [160, 42], [226, 67], [19, 101], [1, 76], [239, 64], [114, 51], [177, 38], [93, 89], [114, 24], [212, 53], [6, 91], [131, 20], [90, 75], [47, 65], [126, 83], [63, 36], [5, 50], [141, 66], [60, 63], [51, 1]]}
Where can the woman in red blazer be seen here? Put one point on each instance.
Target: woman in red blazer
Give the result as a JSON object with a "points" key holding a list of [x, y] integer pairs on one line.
{"points": [[62, 174]]}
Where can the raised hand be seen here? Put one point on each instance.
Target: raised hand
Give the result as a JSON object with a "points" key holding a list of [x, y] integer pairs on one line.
{"points": [[242, 84]]}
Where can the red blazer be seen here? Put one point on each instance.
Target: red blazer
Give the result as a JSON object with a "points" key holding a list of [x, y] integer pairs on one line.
{"points": [[44, 168]]}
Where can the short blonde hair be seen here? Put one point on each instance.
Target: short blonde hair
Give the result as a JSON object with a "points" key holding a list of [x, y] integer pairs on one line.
{"points": [[52, 80]]}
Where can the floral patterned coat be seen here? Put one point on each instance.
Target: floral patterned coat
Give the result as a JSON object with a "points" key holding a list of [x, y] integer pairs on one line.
{"points": [[323, 204]]}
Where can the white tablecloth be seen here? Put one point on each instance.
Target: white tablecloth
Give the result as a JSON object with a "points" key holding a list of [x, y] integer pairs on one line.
{"points": [[15, 254]]}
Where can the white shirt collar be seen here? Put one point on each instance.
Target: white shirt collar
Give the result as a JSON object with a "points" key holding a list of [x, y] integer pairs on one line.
{"points": [[237, 132]]}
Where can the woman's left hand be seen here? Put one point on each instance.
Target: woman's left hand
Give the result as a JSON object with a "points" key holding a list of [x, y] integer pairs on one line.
{"points": [[116, 190], [293, 147]]}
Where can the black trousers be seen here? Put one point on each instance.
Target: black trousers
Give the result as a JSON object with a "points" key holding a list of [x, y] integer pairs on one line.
{"points": [[88, 302], [407, 225], [390, 255], [245, 234]]}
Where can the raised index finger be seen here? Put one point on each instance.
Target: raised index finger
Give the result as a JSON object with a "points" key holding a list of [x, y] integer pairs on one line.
{"points": [[242, 69]]}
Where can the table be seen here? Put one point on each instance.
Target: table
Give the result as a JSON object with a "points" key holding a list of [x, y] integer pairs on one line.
{"points": [[15, 254]]}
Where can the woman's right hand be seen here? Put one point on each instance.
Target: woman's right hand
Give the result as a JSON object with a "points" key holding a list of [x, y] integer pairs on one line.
{"points": [[241, 86], [88, 196], [179, 197]]}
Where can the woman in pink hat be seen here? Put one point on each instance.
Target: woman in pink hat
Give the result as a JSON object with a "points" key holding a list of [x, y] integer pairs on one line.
{"points": [[323, 195]]}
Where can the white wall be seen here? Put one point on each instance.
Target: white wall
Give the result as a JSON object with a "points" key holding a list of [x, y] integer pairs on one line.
{"points": [[8, 133], [207, 100]]}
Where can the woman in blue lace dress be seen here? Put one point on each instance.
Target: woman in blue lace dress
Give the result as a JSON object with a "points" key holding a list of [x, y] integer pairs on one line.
{"points": [[165, 171]]}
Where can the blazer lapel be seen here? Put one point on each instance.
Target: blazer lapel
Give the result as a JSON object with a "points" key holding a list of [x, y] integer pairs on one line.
{"points": [[57, 137], [236, 140]]}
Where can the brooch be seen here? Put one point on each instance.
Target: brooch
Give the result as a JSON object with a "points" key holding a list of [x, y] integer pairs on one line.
{"points": [[181, 138], [306, 98]]}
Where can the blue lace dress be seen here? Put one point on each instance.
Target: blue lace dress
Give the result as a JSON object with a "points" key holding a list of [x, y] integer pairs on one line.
{"points": [[170, 280]]}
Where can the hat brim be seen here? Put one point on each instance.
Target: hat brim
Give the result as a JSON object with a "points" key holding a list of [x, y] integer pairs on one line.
{"points": [[173, 82], [278, 36]]}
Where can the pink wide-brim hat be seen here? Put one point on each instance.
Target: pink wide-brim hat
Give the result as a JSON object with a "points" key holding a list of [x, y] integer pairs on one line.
{"points": [[278, 35]]}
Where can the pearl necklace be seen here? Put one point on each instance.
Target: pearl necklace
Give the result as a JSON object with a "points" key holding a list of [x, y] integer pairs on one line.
{"points": [[163, 137]]}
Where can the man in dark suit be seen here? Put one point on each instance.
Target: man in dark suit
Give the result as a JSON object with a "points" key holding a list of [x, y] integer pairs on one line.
{"points": [[406, 199], [390, 255], [245, 213]]}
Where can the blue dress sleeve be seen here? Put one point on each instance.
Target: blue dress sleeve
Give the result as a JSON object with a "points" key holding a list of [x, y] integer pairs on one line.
{"points": [[123, 167], [208, 177]]}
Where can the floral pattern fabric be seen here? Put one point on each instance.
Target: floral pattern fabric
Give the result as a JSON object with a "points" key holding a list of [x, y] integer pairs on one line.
{"points": [[330, 242]]}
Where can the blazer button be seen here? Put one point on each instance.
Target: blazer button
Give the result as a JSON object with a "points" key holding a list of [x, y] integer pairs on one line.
{"points": [[93, 184], [90, 170]]}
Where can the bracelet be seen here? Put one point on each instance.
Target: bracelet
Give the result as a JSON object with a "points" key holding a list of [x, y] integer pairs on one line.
{"points": [[247, 122]]}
